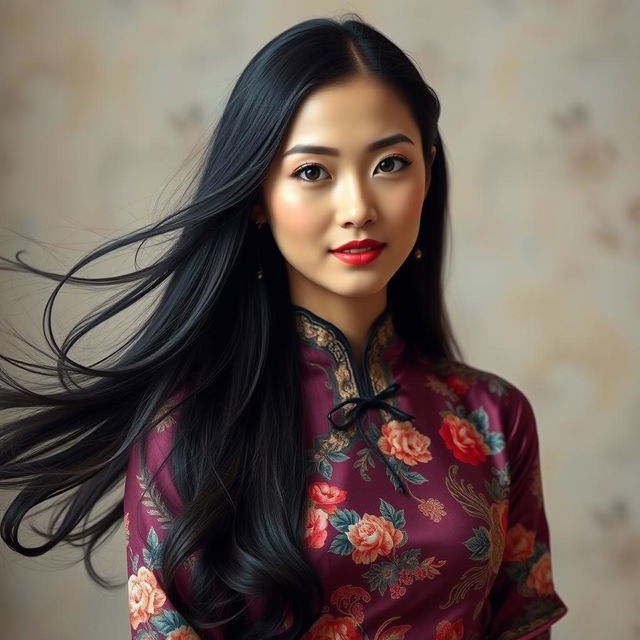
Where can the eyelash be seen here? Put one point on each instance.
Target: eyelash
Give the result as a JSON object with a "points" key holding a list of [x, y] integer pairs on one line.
{"points": [[296, 173]]}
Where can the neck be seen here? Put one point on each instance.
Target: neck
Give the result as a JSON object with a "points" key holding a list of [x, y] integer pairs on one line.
{"points": [[353, 316]]}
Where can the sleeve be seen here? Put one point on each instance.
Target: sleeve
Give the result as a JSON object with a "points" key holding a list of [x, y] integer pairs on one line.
{"points": [[524, 602], [150, 502]]}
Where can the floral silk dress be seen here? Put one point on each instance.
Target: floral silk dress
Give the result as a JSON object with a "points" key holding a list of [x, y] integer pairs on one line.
{"points": [[425, 514]]}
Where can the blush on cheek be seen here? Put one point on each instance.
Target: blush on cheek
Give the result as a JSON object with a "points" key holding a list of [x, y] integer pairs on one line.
{"points": [[291, 216], [406, 206]]}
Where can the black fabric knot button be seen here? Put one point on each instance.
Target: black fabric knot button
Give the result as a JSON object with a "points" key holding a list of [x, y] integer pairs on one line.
{"points": [[362, 403], [360, 406]]}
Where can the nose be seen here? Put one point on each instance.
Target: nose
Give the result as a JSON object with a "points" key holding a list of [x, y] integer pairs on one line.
{"points": [[354, 203]]}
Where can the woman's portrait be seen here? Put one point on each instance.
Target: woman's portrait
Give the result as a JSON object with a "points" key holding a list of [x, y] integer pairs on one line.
{"points": [[332, 384]]}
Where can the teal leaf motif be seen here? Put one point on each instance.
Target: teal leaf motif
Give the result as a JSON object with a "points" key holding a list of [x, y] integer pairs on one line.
{"points": [[495, 441], [341, 545], [134, 563], [168, 621], [394, 481], [343, 518], [143, 634], [396, 518], [478, 544], [413, 477], [325, 469], [380, 576], [538, 551], [480, 419], [364, 459], [497, 386], [517, 571], [496, 491], [152, 553], [503, 475], [337, 456], [409, 559]]}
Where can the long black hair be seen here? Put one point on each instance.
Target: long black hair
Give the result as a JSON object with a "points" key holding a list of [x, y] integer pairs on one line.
{"points": [[232, 337]]}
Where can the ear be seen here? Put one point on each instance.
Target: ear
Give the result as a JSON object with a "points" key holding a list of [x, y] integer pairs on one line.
{"points": [[257, 213], [433, 154]]}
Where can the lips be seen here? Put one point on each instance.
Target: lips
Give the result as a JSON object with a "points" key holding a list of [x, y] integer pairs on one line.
{"points": [[367, 243]]}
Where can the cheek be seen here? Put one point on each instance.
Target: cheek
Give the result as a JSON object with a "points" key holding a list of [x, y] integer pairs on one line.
{"points": [[405, 205], [294, 216]]}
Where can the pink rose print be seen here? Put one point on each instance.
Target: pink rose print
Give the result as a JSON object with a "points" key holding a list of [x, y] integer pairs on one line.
{"points": [[372, 536], [316, 528], [450, 630], [403, 441], [328, 627], [326, 496], [539, 579], [461, 437], [145, 597], [519, 544], [183, 633]]}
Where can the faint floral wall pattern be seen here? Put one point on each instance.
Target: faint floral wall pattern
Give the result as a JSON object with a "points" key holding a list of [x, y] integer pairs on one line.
{"points": [[105, 106]]}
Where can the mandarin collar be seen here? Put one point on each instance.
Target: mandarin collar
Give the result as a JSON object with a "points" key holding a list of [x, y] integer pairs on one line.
{"points": [[325, 337]]}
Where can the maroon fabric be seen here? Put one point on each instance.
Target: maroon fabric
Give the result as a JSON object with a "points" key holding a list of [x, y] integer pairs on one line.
{"points": [[447, 539]]}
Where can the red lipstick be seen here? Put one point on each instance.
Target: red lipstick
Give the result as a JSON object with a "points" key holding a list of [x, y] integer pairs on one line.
{"points": [[359, 252]]}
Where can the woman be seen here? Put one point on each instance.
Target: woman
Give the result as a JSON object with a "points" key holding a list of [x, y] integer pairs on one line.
{"points": [[306, 455]]}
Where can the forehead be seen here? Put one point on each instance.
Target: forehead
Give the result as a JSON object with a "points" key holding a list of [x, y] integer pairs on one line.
{"points": [[350, 111]]}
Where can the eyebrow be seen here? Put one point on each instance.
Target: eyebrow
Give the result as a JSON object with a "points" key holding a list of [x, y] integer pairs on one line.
{"points": [[330, 151]]}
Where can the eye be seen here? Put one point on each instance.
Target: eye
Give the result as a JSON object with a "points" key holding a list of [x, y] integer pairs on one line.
{"points": [[387, 164], [309, 171]]}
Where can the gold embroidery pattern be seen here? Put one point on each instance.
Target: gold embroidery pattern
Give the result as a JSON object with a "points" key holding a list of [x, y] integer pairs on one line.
{"points": [[487, 545], [322, 337], [377, 371]]}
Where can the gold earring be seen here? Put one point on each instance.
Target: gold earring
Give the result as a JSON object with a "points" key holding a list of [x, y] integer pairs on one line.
{"points": [[417, 253], [259, 272]]}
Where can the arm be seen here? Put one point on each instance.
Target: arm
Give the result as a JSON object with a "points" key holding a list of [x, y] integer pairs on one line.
{"points": [[523, 599], [150, 500]]}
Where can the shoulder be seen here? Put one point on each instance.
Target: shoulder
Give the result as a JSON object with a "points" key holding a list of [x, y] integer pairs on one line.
{"points": [[467, 379], [485, 396], [149, 472]]}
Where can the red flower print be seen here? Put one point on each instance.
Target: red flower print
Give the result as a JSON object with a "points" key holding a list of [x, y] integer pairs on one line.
{"points": [[539, 579], [428, 568], [433, 509], [446, 630], [458, 384], [328, 627], [406, 576], [145, 597], [403, 441], [372, 536], [326, 496], [346, 600], [396, 590], [183, 633], [461, 437], [316, 528], [519, 544]]}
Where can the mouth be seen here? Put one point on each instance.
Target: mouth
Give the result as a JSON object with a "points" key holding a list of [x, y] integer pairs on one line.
{"points": [[360, 255], [358, 246]]}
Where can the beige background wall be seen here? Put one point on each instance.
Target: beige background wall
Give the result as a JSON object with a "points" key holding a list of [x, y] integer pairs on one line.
{"points": [[102, 101]]}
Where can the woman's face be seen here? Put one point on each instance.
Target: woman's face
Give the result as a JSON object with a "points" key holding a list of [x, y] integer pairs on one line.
{"points": [[351, 168]]}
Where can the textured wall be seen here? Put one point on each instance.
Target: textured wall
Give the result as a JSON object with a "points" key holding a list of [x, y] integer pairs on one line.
{"points": [[103, 102]]}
